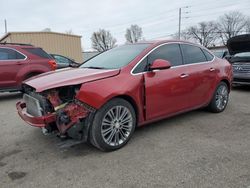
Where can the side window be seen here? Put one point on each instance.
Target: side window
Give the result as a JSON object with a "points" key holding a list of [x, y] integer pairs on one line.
{"points": [[142, 66], [9, 54], [38, 52], [170, 52], [208, 55], [192, 54]]}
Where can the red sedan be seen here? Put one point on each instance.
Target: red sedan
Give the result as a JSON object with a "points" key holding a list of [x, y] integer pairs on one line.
{"points": [[104, 99]]}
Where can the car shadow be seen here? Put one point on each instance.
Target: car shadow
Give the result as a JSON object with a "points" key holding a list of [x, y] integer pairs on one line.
{"points": [[53, 143], [241, 88], [84, 149], [169, 122], [10, 96]]}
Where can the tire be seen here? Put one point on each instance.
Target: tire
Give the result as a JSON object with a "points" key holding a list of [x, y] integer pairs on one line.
{"points": [[220, 98], [113, 125]]}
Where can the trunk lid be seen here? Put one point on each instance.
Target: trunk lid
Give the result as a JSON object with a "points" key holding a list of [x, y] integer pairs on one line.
{"points": [[239, 44]]}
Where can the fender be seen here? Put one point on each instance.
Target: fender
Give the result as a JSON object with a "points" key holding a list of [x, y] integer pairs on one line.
{"points": [[97, 93]]}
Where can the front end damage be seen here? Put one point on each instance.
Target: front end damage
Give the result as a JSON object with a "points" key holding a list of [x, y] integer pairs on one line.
{"points": [[56, 111]]}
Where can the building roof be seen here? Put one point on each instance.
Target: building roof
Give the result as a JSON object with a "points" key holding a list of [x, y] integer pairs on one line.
{"points": [[38, 32]]}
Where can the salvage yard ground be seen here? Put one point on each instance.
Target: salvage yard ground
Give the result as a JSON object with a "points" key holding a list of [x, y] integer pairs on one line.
{"points": [[196, 149]]}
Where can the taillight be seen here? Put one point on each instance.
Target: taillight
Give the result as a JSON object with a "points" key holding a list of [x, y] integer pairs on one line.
{"points": [[53, 64]]}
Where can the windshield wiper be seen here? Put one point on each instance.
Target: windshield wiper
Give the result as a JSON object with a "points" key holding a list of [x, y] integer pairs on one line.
{"points": [[92, 67]]}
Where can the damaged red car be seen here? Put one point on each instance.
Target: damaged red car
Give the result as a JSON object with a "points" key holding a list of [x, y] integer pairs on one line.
{"points": [[104, 99]]}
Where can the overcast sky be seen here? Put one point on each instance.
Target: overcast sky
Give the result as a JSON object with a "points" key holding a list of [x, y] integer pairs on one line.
{"points": [[158, 18]]}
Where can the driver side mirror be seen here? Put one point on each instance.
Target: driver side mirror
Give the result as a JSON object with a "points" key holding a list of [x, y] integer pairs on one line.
{"points": [[160, 64]]}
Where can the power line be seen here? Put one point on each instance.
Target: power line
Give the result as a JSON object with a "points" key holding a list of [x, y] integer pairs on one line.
{"points": [[159, 15]]}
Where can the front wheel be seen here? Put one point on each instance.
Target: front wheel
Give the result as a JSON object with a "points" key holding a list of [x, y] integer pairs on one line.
{"points": [[220, 98], [113, 125]]}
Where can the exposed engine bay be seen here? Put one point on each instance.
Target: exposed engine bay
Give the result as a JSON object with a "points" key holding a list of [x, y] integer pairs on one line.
{"points": [[71, 116]]}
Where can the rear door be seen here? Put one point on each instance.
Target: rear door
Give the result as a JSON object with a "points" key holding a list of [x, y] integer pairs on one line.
{"points": [[201, 74], [11, 62], [166, 89]]}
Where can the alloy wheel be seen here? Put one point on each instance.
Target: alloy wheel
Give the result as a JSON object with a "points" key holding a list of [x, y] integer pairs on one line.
{"points": [[221, 97], [116, 125]]}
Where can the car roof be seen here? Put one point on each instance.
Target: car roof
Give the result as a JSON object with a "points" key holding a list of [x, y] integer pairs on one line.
{"points": [[157, 42], [17, 45]]}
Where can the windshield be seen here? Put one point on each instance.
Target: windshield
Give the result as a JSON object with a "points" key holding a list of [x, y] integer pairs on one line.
{"points": [[116, 57]]}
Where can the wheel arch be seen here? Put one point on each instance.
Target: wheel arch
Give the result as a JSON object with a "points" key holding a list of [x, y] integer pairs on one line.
{"points": [[33, 73], [226, 82]]}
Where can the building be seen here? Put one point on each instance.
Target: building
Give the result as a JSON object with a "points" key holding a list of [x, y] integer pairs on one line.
{"points": [[89, 54], [55, 43]]}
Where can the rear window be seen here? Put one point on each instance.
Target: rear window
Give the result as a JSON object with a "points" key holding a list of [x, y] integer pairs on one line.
{"points": [[38, 52], [208, 55], [192, 54]]}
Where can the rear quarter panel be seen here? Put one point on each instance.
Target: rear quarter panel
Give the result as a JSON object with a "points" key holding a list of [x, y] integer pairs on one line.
{"points": [[32, 66], [223, 73]]}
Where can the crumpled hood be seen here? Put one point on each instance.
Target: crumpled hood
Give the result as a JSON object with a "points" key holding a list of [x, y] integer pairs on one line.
{"points": [[238, 44], [68, 76]]}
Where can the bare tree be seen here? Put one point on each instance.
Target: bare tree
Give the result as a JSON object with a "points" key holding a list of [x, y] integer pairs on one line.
{"points": [[230, 25], [102, 40], [133, 34], [205, 33], [47, 30], [184, 35], [70, 32], [247, 27]]}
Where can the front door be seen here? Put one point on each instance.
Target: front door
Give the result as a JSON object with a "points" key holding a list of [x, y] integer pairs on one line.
{"points": [[166, 92], [166, 89]]}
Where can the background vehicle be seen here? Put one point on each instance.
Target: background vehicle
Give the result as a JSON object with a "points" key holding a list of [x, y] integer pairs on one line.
{"points": [[63, 62], [109, 95], [239, 49], [221, 53], [19, 62]]}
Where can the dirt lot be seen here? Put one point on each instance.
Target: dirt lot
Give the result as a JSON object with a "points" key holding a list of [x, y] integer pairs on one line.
{"points": [[196, 149]]}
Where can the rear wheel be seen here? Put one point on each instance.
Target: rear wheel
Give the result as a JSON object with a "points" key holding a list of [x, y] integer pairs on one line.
{"points": [[113, 125], [220, 98]]}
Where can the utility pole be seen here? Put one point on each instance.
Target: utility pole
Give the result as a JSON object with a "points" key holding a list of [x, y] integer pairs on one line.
{"points": [[179, 33], [180, 17], [5, 25]]}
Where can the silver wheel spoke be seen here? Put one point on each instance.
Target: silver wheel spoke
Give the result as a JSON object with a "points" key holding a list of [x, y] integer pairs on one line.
{"points": [[125, 128], [122, 135], [118, 112], [111, 114], [106, 131], [111, 136], [124, 113], [126, 120], [116, 138]]}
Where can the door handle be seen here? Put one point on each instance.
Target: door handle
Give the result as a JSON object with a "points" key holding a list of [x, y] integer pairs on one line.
{"points": [[184, 75], [212, 69]]}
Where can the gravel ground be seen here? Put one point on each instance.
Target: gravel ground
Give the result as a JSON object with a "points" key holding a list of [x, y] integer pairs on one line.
{"points": [[196, 149]]}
